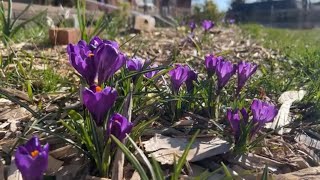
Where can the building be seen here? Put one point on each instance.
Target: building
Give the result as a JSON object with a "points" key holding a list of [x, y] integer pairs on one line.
{"points": [[277, 13]]}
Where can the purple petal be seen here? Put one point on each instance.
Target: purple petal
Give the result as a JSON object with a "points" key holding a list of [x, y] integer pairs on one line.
{"points": [[151, 73], [207, 25], [135, 64], [224, 71], [33, 144], [262, 113], [86, 67], [245, 71], [110, 61], [178, 76], [234, 120], [98, 103], [119, 126]]}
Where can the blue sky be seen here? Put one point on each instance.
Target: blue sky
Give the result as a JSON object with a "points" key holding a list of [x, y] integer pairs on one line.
{"points": [[223, 5]]}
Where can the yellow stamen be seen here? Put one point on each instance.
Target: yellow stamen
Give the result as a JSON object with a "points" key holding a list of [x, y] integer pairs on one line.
{"points": [[34, 153], [91, 55], [98, 89]]}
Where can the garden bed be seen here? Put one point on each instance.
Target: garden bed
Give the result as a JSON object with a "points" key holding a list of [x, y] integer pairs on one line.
{"points": [[42, 79]]}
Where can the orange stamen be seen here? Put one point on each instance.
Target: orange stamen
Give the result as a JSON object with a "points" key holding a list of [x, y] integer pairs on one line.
{"points": [[91, 55], [34, 153], [98, 89]]}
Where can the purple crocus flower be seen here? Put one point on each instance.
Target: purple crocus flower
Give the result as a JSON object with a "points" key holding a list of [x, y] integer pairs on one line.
{"points": [[192, 76], [224, 71], [119, 126], [109, 60], [32, 159], [98, 101], [207, 25], [232, 21], [178, 76], [235, 120], [192, 26], [135, 64], [211, 62], [82, 59], [150, 74], [262, 113], [233, 117], [245, 71]]}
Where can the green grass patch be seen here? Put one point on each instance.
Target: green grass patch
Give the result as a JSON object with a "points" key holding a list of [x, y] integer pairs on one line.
{"points": [[299, 64], [48, 81]]}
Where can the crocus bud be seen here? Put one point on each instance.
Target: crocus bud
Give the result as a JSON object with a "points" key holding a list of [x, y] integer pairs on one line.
{"points": [[245, 71], [192, 26], [192, 76], [119, 126], [211, 62], [109, 60], [178, 76], [224, 71]]}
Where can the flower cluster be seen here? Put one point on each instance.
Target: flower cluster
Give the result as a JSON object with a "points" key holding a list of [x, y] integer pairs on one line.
{"points": [[101, 59], [224, 70], [206, 25], [261, 112], [182, 74]]}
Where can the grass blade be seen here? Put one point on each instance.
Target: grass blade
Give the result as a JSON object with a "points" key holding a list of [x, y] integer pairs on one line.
{"points": [[144, 157], [183, 158], [265, 173], [157, 169], [226, 171], [133, 160]]}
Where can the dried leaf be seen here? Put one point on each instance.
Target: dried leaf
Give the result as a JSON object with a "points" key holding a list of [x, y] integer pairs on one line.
{"points": [[253, 161], [135, 176], [164, 148], [53, 165], [283, 118], [14, 173], [312, 173]]}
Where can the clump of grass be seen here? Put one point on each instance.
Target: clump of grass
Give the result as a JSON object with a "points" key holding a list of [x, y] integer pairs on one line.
{"points": [[48, 80], [299, 65]]}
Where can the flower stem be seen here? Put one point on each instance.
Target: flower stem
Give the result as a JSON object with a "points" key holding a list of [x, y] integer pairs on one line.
{"points": [[210, 97], [178, 107], [216, 107]]}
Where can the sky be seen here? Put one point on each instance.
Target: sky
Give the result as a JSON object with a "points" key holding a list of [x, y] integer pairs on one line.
{"points": [[223, 5]]}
